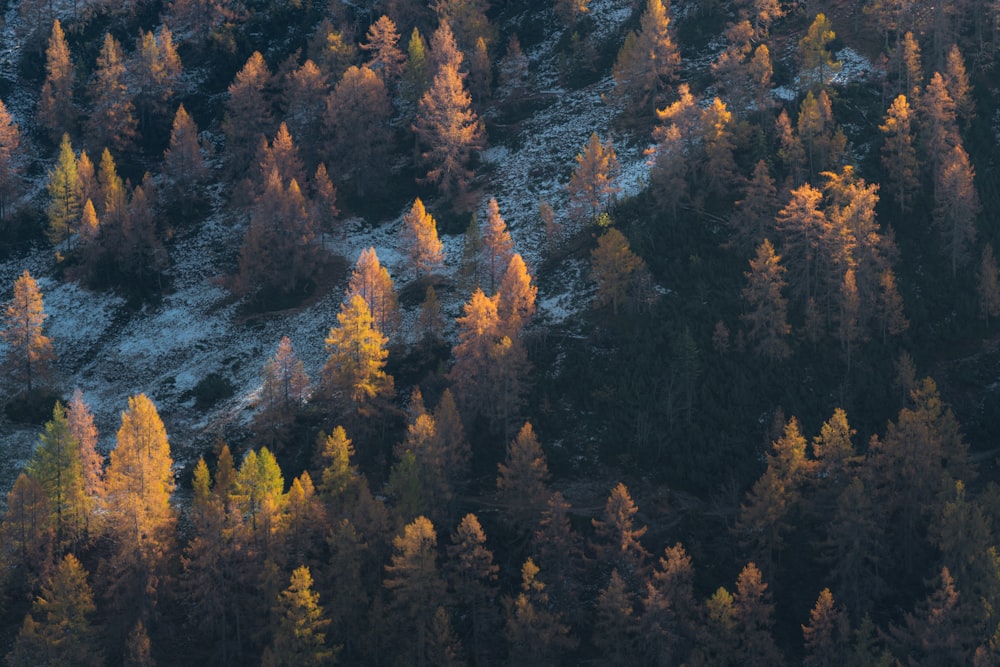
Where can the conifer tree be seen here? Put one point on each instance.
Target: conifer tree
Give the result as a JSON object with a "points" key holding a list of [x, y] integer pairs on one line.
{"points": [[754, 214], [57, 465], [936, 633], [480, 71], [536, 636], [248, 114], [58, 629], [614, 267], [64, 193], [988, 285], [522, 478], [478, 331], [497, 244], [449, 131], [559, 549], [592, 186], [468, 19], [81, 425], [827, 633], [305, 94], [959, 88], [430, 321], [300, 636], [420, 235], [154, 74], [10, 163], [386, 59], [356, 122], [649, 62], [938, 126], [617, 538], [669, 608], [331, 52], [354, 374], [473, 578], [183, 164], [138, 648], [956, 205], [616, 627], [907, 60], [372, 282], [29, 352], [753, 612], [444, 648], [285, 389], [56, 110], [112, 121], [814, 54], [516, 298], [899, 157], [26, 530], [416, 77]]}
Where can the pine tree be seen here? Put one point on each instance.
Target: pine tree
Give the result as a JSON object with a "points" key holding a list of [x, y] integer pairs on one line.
{"points": [[449, 131], [592, 186], [282, 154], [420, 236], [57, 465], [58, 629], [649, 63], [473, 578], [956, 205], [356, 123], [814, 55], [906, 57], [354, 374], [64, 192], [522, 479], [899, 158], [56, 110], [417, 589], [614, 267], [516, 298], [386, 58], [29, 352], [340, 478], [536, 636], [827, 633], [285, 390], [248, 115], [112, 121], [300, 636], [258, 494], [497, 244], [988, 285]]}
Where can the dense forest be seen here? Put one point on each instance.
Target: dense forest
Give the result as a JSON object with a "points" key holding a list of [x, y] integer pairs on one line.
{"points": [[724, 391]]}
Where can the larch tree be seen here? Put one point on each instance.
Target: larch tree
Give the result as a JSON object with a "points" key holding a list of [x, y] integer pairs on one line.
{"points": [[473, 576], [57, 465], [815, 59], [754, 611], [617, 538], [112, 122], [26, 530], [826, 636], [956, 205], [497, 244], [449, 131], [29, 352], [614, 267], [592, 187], [670, 610], [330, 50], [58, 630], [416, 77], [248, 114], [767, 317], [899, 157], [417, 589], [959, 88], [56, 109], [63, 188], [522, 479], [300, 635], [430, 323], [154, 74], [478, 330], [81, 425], [535, 634], [468, 19], [356, 123], [284, 391], [800, 225], [183, 164], [516, 298], [138, 647], [138, 486], [305, 92], [648, 62], [938, 124], [386, 60], [907, 62], [988, 285], [372, 281], [616, 627], [419, 232], [10, 163], [354, 375], [754, 214], [559, 549]]}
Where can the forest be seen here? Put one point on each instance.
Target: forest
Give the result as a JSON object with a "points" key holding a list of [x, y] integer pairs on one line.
{"points": [[510, 332]]}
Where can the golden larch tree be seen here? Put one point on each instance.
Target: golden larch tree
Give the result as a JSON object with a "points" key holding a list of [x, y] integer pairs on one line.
{"points": [[516, 298], [496, 243], [648, 62], [356, 124], [613, 266], [899, 157], [57, 465], [522, 479], [112, 122], [817, 63], [10, 163], [536, 635], [63, 188], [183, 164], [300, 635], [386, 59], [956, 205], [248, 114], [56, 110], [419, 233], [354, 374], [592, 187], [373, 283], [284, 391], [29, 353], [767, 317]]}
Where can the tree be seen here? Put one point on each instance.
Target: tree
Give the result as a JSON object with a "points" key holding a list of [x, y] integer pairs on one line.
{"points": [[248, 114], [417, 589], [305, 94], [956, 205], [430, 322], [373, 283], [300, 637], [648, 62], [467, 18], [81, 426], [939, 129], [354, 374], [767, 318], [29, 352], [670, 611], [64, 193], [356, 123], [480, 71], [616, 628], [899, 157], [444, 49], [473, 578], [138, 648], [183, 164], [827, 633], [26, 530], [906, 57], [331, 52], [497, 244], [959, 88], [617, 538], [138, 486], [570, 11], [988, 285], [285, 389], [614, 267], [516, 298], [814, 55], [936, 634], [753, 611], [112, 121], [523, 477], [58, 630], [592, 186], [386, 58], [449, 131], [416, 78], [754, 214], [478, 331], [57, 465], [559, 549], [56, 110], [536, 636], [420, 235], [154, 73], [10, 167]]}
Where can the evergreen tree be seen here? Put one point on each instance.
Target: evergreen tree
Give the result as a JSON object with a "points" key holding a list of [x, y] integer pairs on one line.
{"points": [[300, 637], [648, 62], [420, 236], [959, 88], [354, 374], [617, 540], [373, 283], [56, 109], [753, 611], [536, 636], [57, 465], [592, 186], [304, 95], [81, 426], [64, 193], [515, 298], [26, 530], [523, 478], [356, 122], [183, 164], [615, 629], [559, 549], [112, 121], [29, 351]]}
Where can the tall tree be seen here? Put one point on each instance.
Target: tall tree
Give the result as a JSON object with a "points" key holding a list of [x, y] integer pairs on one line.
{"points": [[449, 131], [29, 352], [112, 121], [57, 465], [515, 298], [64, 194], [959, 88], [754, 214], [478, 331], [354, 373], [56, 110], [373, 283], [814, 54], [648, 62], [285, 390], [300, 635], [81, 425], [754, 612], [614, 267], [522, 479], [592, 187], [26, 530], [473, 577], [956, 205], [154, 74], [827, 633], [559, 549], [386, 59], [305, 94], [248, 113], [616, 627], [356, 123], [497, 244], [618, 538], [183, 164], [767, 318], [899, 157], [536, 636], [10, 163], [938, 126], [420, 236]]}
